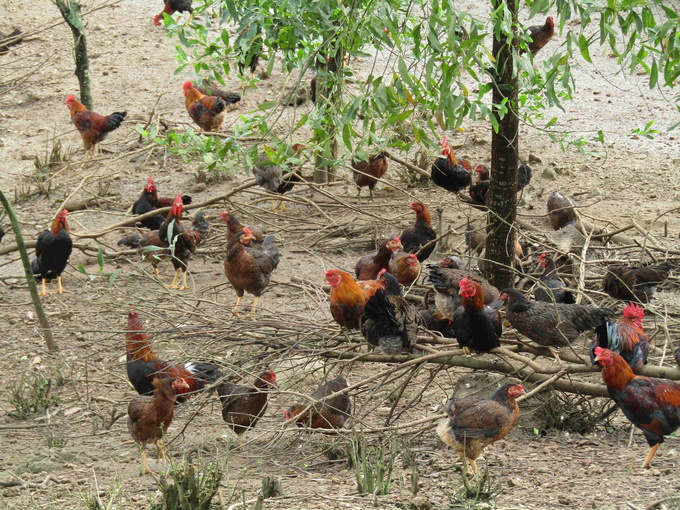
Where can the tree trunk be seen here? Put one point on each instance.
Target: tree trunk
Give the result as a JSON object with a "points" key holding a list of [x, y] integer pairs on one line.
{"points": [[70, 10], [504, 150], [329, 85]]}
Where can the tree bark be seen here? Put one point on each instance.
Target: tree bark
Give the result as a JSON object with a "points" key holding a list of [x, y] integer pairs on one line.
{"points": [[70, 10], [329, 88], [504, 151]]}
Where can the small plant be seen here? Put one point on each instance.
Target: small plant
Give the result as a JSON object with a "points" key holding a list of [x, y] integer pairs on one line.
{"points": [[93, 501], [31, 394], [45, 164], [55, 434], [572, 413], [100, 262], [479, 489], [373, 468], [186, 487]]}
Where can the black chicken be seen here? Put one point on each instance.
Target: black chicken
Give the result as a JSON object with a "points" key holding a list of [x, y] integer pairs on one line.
{"points": [[172, 6], [449, 172], [148, 201], [421, 234], [52, 252], [550, 288], [477, 327], [634, 283]]}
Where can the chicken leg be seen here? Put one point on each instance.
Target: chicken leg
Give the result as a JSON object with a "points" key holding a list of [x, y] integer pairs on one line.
{"points": [[648, 461], [161, 453], [474, 466], [184, 281], [43, 292], [155, 271], [235, 312], [145, 461], [254, 306], [175, 281], [463, 459], [60, 289]]}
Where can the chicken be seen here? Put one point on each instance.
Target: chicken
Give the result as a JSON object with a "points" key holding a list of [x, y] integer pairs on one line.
{"points": [[248, 47], [524, 174], [249, 268], [211, 88], [234, 226], [150, 417], [475, 239], [149, 246], [634, 283], [435, 321], [208, 112], [449, 172], [651, 404], [2, 233], [375, 167], [479, 191], [477, 327], [148, 201], [677, 356], [446, 282], [243, 406], [312, 88], [406, 267], [272, 177], [550, 288], [541, 35], [474, 423], [172, 6], [625, 337], [389, 321], [323, 412], [93, 127], [9, 40], [549, 324], [143, 366], [370, 265], [52, 252], [421, 234], [561, 210], [348, 297]]}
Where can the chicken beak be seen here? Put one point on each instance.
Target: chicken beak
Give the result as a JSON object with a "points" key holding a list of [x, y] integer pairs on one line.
{"points": [[597, 358]]}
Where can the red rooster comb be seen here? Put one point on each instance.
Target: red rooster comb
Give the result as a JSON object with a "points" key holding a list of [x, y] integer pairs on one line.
{"points": [[445, 143], [382, 272], [634, 311], [551, 21], [396, 238], [287, 415], [61, 216], [224, 215], [598, 350], [70, 98], [247, 231], [330, 272], [271, 375], [187, 85], [542, 256]]}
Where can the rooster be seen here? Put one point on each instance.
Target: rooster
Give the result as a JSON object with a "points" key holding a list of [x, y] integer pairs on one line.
{"points": [[52, 252], [550, 288], [421, 234], [651, 404], [349, 297], [249, 268], [143, 366], [449, 172], [406, 267], [324, 413], [210, 88], [389, 321], [208, 112], [540, 35], [148, 201], [370, 265], [234, 226], [561, 210], [93, 127], [634, 283], [243, 406], [477, 327], [172, 6], [625, 337], [367, 173]]}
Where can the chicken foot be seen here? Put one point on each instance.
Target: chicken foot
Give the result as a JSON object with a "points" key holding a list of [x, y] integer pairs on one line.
{"points": [[145, 461], [235, 312], [60, 289], [43, 292], [184, 285], [254, 307], [648, 461], [175, 281], [159, 448]]}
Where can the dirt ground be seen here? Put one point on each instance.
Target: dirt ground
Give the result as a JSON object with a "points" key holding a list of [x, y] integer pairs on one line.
{"points": [[83, 442]]}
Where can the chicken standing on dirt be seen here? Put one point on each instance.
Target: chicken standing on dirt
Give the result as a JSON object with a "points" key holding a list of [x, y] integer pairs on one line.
{"points": [[370, 265], [148, 201], [550, 288], [474, 423], [172, 6], [541, 35], [234, 226], [249, 268], [143, 366], [243, 406], [375, 167], [150, 417], [477, 327], [549, 324], [389, 321], [450, 172], [349, 297], [208, 112], [479, 190], [406, 267], [323, 413], [634, 283], [52, 252], [561, 210], [625, 337], [651, 404], [93, 128], [273, 178], [420, 234]]}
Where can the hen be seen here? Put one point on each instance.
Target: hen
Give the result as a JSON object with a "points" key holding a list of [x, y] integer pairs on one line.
{"points": [[148, 201], [406, 267], [477, 327], [625, 337], [652, 405], [419, 235], [389, 321], [540, 35], [634, 283], [479, 191], [449, 172], [366, 173], [435, 321], [474, 423], [143, 366], [349, 297], [93, 128], [234, 226], [549, 324], [243, 406], [52, 252], [370, 265], [208, 112], [150, 417], [323, 412], [561, 210], [550, 288], [249, 268], [271, 176], [172, 6]]}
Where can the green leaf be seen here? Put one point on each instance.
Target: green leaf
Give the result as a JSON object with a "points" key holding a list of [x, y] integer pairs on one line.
{"points": [[403, 72], [114, 275], [347, 135], [551, 122], [82, 269], [268, 105], [653, 75], [583, 46], [100, 259]]}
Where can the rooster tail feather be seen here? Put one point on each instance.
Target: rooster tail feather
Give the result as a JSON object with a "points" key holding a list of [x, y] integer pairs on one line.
{"points": [[271, 249], [115, 120], [205, 373]]}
